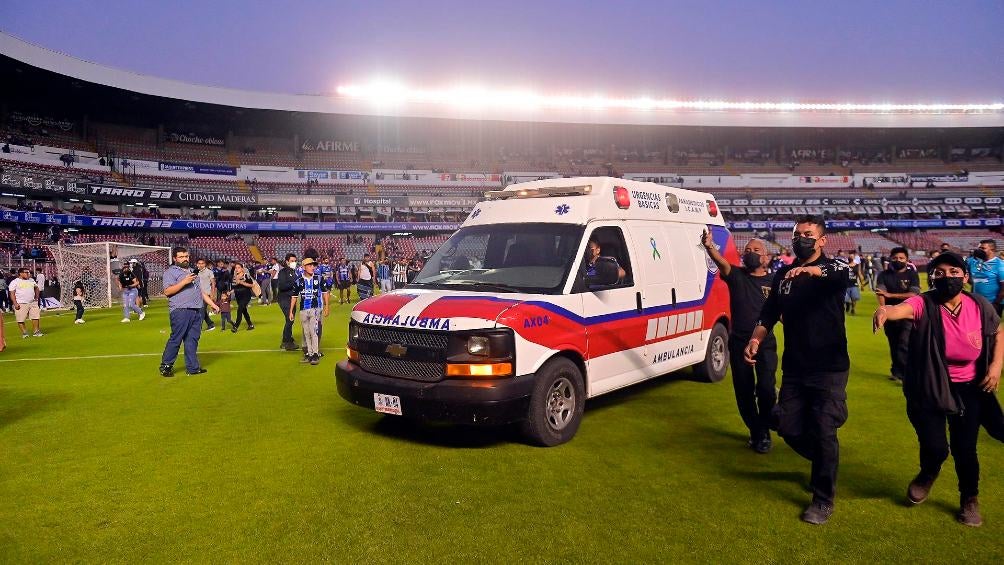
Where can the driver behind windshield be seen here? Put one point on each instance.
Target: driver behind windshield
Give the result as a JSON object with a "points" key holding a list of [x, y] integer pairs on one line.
{"points": [[596, 263]]}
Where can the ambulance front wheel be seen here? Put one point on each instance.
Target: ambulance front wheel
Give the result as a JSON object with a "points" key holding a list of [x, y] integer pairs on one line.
{"points": [[556, 403], [716, 360]]}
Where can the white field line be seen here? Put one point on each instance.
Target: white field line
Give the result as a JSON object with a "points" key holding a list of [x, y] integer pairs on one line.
{"points": [[126, 355]]}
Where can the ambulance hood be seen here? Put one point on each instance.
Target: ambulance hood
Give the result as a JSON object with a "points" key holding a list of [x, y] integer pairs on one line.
{"points": [[435, 310]]}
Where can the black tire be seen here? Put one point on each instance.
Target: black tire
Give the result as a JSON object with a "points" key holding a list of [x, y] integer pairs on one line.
{"points": [[716, 360], [556, 403]]}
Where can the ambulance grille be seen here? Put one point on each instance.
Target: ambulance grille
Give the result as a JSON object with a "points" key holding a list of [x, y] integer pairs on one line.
{"points": [[386, 336], [402, 368]]}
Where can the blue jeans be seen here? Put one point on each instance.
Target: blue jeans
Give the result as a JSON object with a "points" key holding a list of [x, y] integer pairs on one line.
{"points": [[186, 327], [129, 296]]}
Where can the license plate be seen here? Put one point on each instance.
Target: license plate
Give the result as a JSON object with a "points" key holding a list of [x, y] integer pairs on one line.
{"points": [[387, 404]]}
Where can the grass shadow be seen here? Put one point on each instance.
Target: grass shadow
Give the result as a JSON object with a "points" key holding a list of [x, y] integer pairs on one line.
{"points": [[430, 433], [15, 407], [618, 396]]}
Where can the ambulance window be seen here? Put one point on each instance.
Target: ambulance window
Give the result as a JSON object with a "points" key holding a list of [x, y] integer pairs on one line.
{"points": [[611, 241]]}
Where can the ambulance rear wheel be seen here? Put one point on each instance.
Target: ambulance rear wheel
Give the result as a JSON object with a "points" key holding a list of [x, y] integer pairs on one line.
{"points": [[556, 404], [716, 360]]}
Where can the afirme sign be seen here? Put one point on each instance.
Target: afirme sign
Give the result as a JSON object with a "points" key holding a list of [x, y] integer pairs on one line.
{"points": [[331, 145]]}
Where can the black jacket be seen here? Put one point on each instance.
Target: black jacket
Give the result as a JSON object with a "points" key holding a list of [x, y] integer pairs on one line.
{"points": [[812, 312], [926, 383], [286, 281]]}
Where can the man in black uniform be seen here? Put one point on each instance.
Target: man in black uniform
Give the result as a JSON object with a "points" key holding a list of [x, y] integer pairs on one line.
{"points": [[893, 286], [286, 288], [809, 296], [749, 287]]}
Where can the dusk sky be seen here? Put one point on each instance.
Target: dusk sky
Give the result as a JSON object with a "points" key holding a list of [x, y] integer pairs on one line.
{"points": [[890, 50]]}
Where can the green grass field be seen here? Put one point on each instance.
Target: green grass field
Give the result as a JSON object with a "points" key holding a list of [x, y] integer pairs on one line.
{"points": [[103, 460]]}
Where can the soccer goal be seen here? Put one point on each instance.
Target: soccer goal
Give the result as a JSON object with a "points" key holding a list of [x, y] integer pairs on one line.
{"points": [[97, 266]]}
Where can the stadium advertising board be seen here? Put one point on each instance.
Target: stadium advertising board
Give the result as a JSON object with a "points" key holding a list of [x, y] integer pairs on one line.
{"points": [[928, 201], [76, 220], [40, 185], [328, 174], [180, 196], [330, 145], [826, 180], [195, 139], [199, 169], [35, 120], [361, 200]]}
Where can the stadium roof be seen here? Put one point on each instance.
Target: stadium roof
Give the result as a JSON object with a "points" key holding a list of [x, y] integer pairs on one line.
{"points": [[507, 106]]}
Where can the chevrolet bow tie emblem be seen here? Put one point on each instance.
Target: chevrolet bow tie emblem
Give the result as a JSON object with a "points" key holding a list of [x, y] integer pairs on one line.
{"points": [[396, 350]]}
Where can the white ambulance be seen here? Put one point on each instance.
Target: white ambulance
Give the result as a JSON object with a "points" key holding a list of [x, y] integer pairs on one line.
{"points": [[551, 292]]}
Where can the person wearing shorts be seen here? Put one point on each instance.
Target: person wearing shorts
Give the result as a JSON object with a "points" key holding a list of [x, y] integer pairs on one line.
{"points": [[24, 293]]}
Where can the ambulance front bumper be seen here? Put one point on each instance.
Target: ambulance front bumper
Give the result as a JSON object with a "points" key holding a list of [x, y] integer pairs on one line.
{"points": [[462, 401]]}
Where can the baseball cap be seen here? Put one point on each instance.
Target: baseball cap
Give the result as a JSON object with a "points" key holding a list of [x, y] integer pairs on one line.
{"points": [[950, 259], [308, 261]]}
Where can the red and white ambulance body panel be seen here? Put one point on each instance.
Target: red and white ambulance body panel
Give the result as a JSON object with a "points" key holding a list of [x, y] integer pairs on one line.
{"points": [[517, 264]]}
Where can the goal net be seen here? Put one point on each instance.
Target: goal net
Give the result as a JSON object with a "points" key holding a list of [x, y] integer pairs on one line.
{"points": [[97, 265]]}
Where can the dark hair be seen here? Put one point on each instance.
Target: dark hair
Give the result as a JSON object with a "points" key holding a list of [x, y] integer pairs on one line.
{"points": [[178, 250], [813, 219], [290, 255], [896, 250], [989, 242]]}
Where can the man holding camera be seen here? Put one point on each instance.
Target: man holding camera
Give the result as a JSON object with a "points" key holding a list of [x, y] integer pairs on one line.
{"points": [[185, 297]]}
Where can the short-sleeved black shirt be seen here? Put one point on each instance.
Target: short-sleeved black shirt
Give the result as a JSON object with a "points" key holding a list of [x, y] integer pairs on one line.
{"points": [[747, 294], [126, 279], [898, 282]]}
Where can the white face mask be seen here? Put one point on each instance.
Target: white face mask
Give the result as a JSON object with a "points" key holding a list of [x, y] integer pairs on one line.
{"points": [[292, 264]]}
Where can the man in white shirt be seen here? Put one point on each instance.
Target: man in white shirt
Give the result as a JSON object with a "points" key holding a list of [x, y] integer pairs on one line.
{"points": [[24, 293], [40, 280]]}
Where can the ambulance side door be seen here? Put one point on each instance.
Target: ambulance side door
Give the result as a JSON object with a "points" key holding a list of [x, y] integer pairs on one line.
{"points": [[615, 346]]}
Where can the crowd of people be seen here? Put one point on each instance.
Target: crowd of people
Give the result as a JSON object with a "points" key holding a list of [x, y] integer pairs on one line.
{"points": [[943, 343]]}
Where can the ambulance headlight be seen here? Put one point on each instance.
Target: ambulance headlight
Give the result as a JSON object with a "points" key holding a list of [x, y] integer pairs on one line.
{"points": [[478, 345], [353, 333], [495, 345]]}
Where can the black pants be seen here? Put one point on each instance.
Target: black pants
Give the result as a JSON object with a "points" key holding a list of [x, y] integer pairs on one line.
{"points": [[963, 430], [287, 329], [898, 334], [810, 410], [79, 304], [243, 299], [144, 294], [754, 385], [205, 317]]}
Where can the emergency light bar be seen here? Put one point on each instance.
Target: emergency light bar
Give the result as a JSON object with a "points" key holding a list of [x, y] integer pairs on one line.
{"points": [[545, 192]]}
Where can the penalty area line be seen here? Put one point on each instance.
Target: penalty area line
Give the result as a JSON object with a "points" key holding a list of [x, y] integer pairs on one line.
{"points": [[127, 355]]}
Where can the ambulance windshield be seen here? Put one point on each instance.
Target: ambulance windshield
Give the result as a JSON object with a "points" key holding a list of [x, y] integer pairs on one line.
{"points": [[530, 258]]}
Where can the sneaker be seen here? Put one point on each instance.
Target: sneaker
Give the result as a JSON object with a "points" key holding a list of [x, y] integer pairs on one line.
{"points": [[919, 489], [817, 513], [969, 512], [306, 358], [24, 336], [198, 371], [125, 320], [289, 346], [315, 359], [233, 329], [763, 445], [142, 316], [79, 321], [211, 328], [37, 334], [166, 371], [250, 327]]}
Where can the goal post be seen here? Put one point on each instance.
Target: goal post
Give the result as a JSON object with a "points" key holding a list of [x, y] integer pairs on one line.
{"points": [[96, 266]]}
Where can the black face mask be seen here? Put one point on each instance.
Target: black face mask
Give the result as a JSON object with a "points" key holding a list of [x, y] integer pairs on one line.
{"points": [[804, 247], [980, 254], [947, 288], [897, 265], [751, 260]]}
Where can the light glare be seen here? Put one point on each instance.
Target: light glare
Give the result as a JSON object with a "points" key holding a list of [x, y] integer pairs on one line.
{"points": [[386, 92]]}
